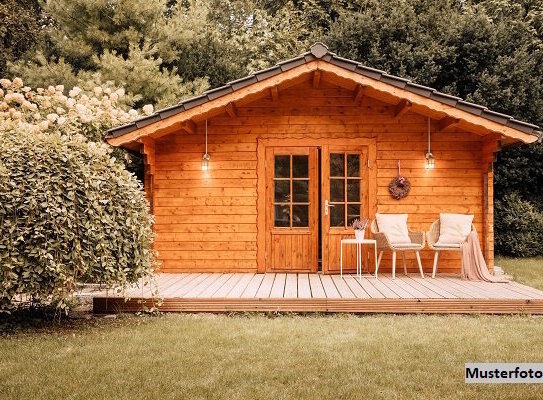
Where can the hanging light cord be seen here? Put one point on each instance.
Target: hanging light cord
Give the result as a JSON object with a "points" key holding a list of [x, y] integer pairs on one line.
{"points": [[206, 136]]}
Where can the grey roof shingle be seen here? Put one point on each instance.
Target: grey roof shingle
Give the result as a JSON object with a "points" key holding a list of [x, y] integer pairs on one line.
{"points": [[320, 51]]}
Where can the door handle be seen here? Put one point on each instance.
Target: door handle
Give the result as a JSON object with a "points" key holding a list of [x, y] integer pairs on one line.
{"points": [[326, 206]]}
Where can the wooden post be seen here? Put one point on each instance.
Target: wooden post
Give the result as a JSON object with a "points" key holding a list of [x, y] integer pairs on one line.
{"points": [[490, 147], [148, 151]]}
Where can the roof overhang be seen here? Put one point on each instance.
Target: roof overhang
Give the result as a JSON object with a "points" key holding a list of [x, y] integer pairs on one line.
{"points": [[426, 101]]}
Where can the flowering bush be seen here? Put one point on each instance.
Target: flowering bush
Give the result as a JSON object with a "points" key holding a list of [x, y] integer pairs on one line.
{"points": [[69, 211], [87, 112]]}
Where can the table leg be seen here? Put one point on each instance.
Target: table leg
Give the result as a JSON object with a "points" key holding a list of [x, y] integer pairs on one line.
{"points": [[357, 256]]}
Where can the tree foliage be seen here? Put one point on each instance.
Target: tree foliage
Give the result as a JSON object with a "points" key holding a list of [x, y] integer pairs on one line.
{"points": [[486, 51]]}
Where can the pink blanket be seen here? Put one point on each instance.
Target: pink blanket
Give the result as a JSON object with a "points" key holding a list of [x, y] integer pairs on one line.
{"points": [[474, 267]]}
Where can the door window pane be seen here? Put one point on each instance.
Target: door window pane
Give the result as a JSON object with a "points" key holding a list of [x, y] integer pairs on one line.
{"points": [[353, 165], [300, 191], [282, 167], [300, 166], [337, 164], [282, 191], [282, 216], [300, 216], [353, 190], [337, 190], [353, 212], [337, 215]]}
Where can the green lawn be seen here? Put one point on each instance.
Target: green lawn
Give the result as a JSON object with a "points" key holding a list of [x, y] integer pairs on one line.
{"points": [[258, 357], [524, 270]]}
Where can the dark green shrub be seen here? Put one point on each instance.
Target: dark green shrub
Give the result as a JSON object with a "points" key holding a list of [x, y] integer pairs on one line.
{"points": [[68, 213], [518, 227]]}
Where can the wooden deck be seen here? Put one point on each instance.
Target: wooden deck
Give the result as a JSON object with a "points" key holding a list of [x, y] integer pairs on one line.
{"points": [[285, 292]]}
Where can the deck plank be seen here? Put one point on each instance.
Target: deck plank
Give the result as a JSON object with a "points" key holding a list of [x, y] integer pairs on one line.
{"points": [[304, 289], [534, 291], [278, 288], [266, 286], [429, 283], [179, 291], [458, 291], [291, 286], [411, 288], [366, 284], [253, 286], [227, 286], [421, 288], [196, 290], [317, 291], [355, 287], [329, 287], [240, 287], [179, 284], [211, 289], [344, 290], [384, 289], [396, 287]]}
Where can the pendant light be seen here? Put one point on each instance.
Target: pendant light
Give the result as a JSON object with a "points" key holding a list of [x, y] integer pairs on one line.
{"points": [[205, 157], [430, 162]]}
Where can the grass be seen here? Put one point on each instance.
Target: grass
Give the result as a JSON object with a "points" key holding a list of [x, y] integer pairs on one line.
{"points": [[524, 270], [244, 356], [256, 357]]}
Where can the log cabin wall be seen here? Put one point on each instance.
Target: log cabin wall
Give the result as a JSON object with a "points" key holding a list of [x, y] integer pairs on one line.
{"points": [[207, 221]]}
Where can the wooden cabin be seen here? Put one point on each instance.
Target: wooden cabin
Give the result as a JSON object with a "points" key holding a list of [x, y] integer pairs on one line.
{"points": [[267, 172]]}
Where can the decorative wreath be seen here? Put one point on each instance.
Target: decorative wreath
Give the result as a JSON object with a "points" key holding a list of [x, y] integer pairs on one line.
{"points": [[399, 186]]}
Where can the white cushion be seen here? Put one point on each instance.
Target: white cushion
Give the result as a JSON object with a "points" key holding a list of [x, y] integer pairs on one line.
{"points": [[394, 226], [454, 228]]}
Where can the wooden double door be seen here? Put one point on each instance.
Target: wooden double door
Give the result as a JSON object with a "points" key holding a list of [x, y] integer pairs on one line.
{"points": [[312, 196]]}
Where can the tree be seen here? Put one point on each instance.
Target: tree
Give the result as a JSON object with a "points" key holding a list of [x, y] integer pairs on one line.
{"points": [[20, 29]]}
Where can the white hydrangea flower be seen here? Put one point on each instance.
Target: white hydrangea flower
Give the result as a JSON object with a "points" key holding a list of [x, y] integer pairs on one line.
{"points": [[148, 109], [18, 83], [107, 91], [59, 88], [132, 113], [60, 110], [74, 92], [120, 92], [80, 108], [40, 90], [70, 103], [44, 125], [97, 91], [5, 83], [61, 120], [51, 89], [16, 115], [52, 117]]}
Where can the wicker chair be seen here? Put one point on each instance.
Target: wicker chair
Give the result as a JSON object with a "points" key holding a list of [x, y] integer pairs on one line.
{"points": [[383, 244], [433, 236]]}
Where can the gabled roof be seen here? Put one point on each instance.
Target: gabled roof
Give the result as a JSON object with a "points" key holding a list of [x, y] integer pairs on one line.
{"points": [[319, 52]]}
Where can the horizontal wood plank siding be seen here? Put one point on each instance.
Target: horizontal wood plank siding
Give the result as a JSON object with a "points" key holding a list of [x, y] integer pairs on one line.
{"points": [[207, 221]]}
